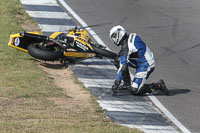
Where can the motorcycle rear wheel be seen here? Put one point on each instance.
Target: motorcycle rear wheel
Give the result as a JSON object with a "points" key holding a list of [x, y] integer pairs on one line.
{"points": [[105, 53], [43, 53]]}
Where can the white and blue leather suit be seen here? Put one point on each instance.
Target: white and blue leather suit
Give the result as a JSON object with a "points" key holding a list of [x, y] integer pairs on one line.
{"points": [[135, 51]]}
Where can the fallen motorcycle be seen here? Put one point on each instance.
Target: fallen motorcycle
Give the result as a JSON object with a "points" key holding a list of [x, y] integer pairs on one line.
{"points": [[70, 47]]}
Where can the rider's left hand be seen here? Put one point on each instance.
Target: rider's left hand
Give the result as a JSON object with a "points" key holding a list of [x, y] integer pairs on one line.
{"points": [[116, 85]]}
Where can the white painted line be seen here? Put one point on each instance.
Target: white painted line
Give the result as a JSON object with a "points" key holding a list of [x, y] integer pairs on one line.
{"points": [[154, 99], [87, 85], [45, 14], [97, 81], [104, 67], [40, 2], [168, 114], [97, 60], [101, 83], [54, 28], [127, 106]]}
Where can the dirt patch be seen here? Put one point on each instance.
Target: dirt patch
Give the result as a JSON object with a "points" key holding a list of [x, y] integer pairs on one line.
{"points": [[29, 26], [63, 78], [26, 24]]}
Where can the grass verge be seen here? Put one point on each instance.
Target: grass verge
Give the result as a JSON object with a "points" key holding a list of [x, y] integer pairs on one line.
{"points": [[29, 101]]}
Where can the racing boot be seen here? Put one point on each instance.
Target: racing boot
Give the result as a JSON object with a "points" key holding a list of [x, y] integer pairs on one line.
{"points": [[153, 87], [134, 91], [162, 87]]}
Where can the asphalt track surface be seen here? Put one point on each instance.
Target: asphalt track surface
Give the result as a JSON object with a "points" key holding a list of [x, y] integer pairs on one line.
{"points": [[171, 28]]}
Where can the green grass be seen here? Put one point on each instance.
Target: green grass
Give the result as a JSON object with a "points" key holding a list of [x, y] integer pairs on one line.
{"points": [[19, 75], [27, 95]]}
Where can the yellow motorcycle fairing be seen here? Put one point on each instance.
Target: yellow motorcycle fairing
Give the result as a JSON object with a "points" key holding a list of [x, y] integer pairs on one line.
{"points": [[17, 41], [55, 34], [81, 36]]}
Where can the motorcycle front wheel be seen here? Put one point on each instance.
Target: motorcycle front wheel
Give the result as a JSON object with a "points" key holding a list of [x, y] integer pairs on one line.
{"points": [[46, 53]]}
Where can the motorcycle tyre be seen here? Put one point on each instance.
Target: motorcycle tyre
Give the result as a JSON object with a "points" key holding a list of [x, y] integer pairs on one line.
{"points": [[105, 53], [43, 54]]}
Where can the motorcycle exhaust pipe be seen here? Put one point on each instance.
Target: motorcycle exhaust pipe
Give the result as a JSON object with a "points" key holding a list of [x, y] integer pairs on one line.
{"points": [[39, 37], [42, 38]]}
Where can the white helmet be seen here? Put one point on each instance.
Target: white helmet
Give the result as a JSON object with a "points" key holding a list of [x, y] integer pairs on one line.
{"points": [[116, 34]]}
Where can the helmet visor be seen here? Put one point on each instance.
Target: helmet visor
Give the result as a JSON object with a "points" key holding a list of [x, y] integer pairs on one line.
{"points": [[115, 38]]}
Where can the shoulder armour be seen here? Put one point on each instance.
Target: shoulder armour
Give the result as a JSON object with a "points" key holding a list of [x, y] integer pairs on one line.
{"points": [[131, 43], [131, 38]]}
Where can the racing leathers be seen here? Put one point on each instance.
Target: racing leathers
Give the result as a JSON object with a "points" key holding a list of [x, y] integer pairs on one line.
{"points": [[135, 52]]}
